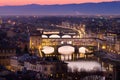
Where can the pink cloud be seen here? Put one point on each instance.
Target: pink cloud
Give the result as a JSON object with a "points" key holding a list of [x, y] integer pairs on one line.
{"points": [[48, 2]]}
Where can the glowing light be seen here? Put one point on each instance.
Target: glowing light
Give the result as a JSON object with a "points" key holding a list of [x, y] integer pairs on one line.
{"points": [[66, 50], [62, 57], [70, 57], [48, 50], [66, 36], [54, 36], [82, 50], [62, 42], [76, 36], [40, 51], [69, 42], [44, 36], [66, 57], [51, 32], [103, 47]]}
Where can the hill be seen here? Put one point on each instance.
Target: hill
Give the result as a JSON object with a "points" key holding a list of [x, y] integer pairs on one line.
{"points": [[103, 8]]}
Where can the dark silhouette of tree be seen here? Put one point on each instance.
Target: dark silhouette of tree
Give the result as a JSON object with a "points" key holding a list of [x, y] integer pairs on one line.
{"points": [[18, 50], [26, 49]]}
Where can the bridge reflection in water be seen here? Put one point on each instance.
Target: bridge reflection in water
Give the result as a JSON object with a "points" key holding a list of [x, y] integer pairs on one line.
{"points": [[82, 65]]}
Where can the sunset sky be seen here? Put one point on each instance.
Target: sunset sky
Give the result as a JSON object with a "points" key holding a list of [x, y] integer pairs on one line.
{"points": [[46, 2]]}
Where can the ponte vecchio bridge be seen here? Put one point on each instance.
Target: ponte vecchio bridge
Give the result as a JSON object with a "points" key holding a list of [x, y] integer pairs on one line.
{"points": [[67, 46]]}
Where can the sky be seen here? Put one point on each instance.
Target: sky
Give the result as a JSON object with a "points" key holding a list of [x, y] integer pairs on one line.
{"points": [[46, 2]]}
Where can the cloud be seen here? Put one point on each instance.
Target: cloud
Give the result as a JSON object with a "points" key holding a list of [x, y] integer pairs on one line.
{"points": [[22, 2]]}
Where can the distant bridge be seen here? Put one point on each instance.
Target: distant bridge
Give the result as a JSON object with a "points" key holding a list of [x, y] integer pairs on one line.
{"points": [[55, 41]]}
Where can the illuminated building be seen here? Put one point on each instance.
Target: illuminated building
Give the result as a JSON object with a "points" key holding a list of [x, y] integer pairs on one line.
{"points": [[1, 21], [35, 41], [46, 65], [117, 46], [5, 54], [70, 45], [11, 33]]}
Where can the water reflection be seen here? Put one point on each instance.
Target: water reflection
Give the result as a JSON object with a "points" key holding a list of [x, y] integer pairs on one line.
{"points": [[85, 66]]}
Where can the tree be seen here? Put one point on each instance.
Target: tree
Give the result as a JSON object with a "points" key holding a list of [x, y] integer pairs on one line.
{"points": [[26, 49]]}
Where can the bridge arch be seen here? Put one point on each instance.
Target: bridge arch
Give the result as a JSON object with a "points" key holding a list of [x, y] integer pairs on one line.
{"points": [[54, 36], [67, 51], [44, 36], [66, 36], [48, 50]]}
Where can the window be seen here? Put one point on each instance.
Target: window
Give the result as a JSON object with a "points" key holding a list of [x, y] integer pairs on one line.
{"points": [[45, 69], [39, 68], [51, 68]]}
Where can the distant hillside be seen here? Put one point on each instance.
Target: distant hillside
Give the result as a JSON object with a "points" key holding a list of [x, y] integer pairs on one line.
{"points": [[104, 8]]}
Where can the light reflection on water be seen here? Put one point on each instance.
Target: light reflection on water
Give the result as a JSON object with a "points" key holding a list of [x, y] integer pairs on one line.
{"points": [[85, 66]]}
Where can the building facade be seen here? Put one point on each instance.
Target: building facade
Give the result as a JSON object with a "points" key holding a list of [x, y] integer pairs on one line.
{"points": [[5, 54], [47, 66]]}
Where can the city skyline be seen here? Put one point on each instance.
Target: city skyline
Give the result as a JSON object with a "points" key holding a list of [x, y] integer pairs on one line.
{"points": [[59, 39], [49, 2], [59, 47]]}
